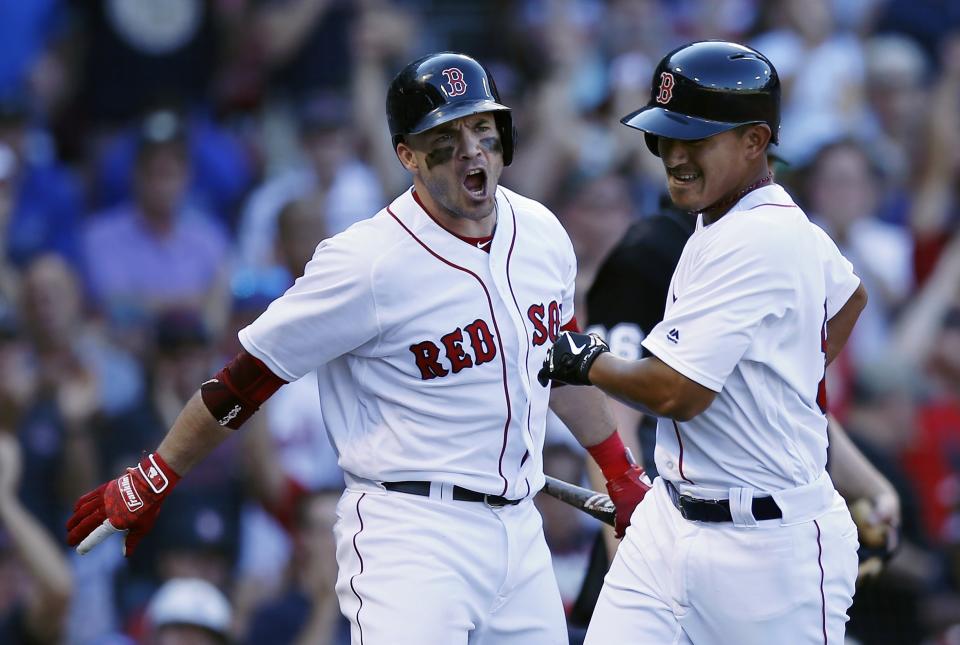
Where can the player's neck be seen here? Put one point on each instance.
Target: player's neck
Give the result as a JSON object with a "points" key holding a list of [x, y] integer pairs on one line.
{"points": [[722, 206], [462, 227]]}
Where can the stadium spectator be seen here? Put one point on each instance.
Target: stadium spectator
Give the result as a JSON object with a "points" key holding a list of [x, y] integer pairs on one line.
{"points": [[222, 166], [44, 209], [188, 611], [843, 192], [35, 579], [331, 180], [305, 610], [155, 252]]}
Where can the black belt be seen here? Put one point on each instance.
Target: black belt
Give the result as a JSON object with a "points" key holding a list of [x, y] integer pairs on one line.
{"points": [[459, 493], [718, 510]]}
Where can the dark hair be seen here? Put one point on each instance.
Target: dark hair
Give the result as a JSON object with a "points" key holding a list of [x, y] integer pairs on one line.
{"points": [[851, 143]]}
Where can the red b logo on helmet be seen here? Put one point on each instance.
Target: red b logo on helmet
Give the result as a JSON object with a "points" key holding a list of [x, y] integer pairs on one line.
{"points": [[666, 88], [455, 80]]}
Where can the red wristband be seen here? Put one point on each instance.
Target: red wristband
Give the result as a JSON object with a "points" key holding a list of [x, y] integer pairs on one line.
{"points": [[158, 473], [612, 456]]}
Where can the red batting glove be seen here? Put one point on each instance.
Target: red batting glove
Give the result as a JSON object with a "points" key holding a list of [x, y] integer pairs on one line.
{"points": [[627, 483], [128, 504], [626, 491]]}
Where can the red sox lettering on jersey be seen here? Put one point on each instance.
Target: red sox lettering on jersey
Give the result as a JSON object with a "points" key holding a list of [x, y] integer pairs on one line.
{"points": [[431, 357], [426, 348]]}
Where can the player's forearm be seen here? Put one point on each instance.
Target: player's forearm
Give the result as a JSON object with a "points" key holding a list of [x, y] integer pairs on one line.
{"points": [[37, 552], [584, 411], [916, 330], [652, 384], [841, 325], [853, 474], [193, 436]]}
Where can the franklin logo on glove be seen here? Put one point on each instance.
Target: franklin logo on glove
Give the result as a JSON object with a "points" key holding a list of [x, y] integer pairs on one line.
{"points": [[129, 493]]}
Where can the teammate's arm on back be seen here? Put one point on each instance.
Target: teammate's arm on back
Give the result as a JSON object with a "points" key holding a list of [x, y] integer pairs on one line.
{"points": [[840, 326], [846, 295]]}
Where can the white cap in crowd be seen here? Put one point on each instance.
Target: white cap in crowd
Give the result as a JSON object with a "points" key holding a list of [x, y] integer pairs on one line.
{"points": [[190, 601]]}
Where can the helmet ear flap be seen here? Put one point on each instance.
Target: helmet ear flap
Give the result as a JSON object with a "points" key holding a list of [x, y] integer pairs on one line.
{"points": [[508, 135], [653, 143]]}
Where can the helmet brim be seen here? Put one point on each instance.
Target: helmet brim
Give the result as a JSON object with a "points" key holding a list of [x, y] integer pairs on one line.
{"points": [[453, 111], [662, 122]]}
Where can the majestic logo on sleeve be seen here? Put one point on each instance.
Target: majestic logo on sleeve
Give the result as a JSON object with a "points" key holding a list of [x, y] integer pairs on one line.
{"points": [[674, 335], [666, 88]]}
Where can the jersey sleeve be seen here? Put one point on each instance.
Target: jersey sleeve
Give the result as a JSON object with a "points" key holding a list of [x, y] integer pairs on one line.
{"points": [[732, 288], [328, 312], [838, 273], [567, 313]]}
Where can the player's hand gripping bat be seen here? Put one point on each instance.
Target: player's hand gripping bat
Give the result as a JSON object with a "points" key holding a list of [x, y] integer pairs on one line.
{"points": [[588, 501]]}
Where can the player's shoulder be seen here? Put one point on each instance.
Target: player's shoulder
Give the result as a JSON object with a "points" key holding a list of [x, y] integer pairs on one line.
{"points": [[766, 217], [529, 211], [765, 231], [366, 240], [772, 201]]}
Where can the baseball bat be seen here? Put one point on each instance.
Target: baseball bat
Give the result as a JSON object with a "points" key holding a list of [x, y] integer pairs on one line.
{"points": [[591, 502]]}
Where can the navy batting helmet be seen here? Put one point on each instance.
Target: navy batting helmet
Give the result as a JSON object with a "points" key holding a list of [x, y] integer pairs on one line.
{"points": [[443, 87], [706, 88]]}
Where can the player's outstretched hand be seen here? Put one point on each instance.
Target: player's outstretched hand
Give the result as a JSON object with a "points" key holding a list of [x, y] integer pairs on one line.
{"points": [[626, 491], [128, 504], [570, 358]]}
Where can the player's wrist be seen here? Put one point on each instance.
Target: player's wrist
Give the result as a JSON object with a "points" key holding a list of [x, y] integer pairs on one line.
{"points": [[595, 369], [156, 475], [613, 457]]}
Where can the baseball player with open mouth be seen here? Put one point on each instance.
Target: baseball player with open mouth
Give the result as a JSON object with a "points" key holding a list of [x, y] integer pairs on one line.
{"points": [[426, 326], [743, 538]]}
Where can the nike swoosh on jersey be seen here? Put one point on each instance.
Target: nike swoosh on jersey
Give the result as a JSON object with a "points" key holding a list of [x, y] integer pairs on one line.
{"points": [[483, 245]]}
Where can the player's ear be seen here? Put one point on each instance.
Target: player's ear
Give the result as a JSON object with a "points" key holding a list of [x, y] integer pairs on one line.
{"points": [[407, 157], [756, 136]]}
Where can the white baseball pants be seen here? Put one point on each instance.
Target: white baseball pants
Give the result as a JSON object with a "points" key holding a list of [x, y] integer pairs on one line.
{"points": [[429, 571], [675, 581]]}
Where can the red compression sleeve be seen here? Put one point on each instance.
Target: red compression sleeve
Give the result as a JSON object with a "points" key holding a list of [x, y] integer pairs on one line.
{"points": [[238, 390], [611, 455], [571, 326]]}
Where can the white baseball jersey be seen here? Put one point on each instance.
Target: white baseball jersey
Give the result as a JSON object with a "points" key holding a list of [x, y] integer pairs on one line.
{"points": [[745, 317], [426, 349]]}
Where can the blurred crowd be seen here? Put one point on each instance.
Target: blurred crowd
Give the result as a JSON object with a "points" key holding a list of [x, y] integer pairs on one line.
{"points": [[168, 166]]}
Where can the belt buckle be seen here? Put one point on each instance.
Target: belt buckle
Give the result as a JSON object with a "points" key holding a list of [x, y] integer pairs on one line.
{"points": [[695, 500], [491, 504]]}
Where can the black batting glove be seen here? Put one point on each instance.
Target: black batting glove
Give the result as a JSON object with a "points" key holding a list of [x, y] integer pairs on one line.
{"points": [[570, 358]]}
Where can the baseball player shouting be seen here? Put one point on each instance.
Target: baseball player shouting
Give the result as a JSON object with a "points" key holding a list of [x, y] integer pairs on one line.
{"points": [[743, 538], [426, 326]]}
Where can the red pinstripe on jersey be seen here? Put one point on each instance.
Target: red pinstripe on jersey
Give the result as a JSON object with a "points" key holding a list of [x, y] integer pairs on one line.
{"points": [[676, 429], [526, 332]]}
